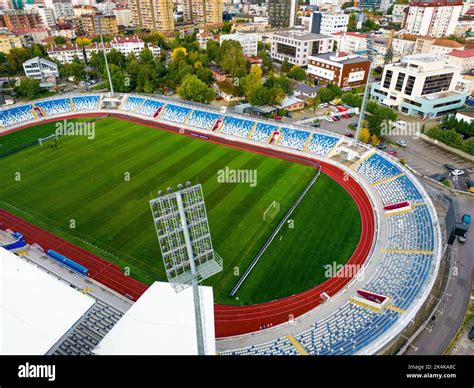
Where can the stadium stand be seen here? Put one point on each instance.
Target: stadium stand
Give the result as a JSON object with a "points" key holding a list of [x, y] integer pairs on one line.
{"points": [[16, 115], [133, 103], [89, 332], [411, 230], [377, 169], [280, 347], [321, 144], [176, 113], [202, 119], [397, 190], [85, 103], [236, 126], [149, 107], [55, 107], [263, 132], [294, 138]]}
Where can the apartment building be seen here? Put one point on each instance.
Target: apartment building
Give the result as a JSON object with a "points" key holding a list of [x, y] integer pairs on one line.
{"points": [[203, 12], [434, 18], [8, 41], [65, 53], [282, 13], [99, 24], [156, 15], [297, 46], [325, 23]]}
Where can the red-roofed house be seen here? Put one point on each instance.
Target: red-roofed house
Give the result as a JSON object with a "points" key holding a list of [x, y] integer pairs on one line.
{"points": [[462, 59]]}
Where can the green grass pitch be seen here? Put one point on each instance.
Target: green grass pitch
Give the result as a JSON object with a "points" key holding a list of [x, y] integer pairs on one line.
{"points": [[101, 187]]}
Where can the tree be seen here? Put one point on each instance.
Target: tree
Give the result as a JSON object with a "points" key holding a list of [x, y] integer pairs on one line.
{"points": [[374, 140], [364, 135], [348, 4], [297, 73], [75, 69], [388, 57], [179, 53], [117, 58], [325, 95], [285, 66], [59, 40], [227, 27], [231, 58], [352, 23], [335, 89], [192, 88], [313, 103], [212, 49], [469, 146], [29, 87], [259, 96], [82, 41], [252, 81]]}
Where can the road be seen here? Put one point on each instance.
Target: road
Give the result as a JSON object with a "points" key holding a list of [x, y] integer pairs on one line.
{"points": [[436, 337]]}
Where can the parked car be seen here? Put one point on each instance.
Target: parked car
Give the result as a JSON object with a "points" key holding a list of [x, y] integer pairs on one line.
{"points": [[471, 334], [327, 118], [277, 117], [346, 89], [402, 143], [381, 146], [392, 152], [348, 134], [449, 167], [470, 186], [457, 172], [323, 105], [438, 177], [316, 125], [336, 118], [466, 220], [332, 103]]}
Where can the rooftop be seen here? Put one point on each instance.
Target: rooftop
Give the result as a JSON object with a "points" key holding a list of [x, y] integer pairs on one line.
{"points": [[301, 35], [462, 53], [341, 57]]}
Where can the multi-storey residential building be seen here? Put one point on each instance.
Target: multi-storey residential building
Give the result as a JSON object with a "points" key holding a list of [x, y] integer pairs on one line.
{"points": [[368, 4], [126, 46], [425, 45], [18, 19], [123, 15], [462, 59], [80, 10], [351, 42], [421, 85], [203, 12], [282, 13], [296, 46], [154, 15], [65, 53], [434, 18], [325, 23], [99, 24], [8, 41], [339, 68], [249, 42]]}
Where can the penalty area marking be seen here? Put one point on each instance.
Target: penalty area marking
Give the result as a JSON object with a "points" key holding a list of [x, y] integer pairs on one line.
{"points": [[273, 235]]}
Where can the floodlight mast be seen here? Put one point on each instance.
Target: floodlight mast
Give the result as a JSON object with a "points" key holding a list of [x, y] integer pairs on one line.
{"points": [[196, 297], [366, 90], [185, 241]]}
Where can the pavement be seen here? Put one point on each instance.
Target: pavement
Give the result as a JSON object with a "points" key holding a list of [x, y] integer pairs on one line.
{"points": [[437, 335], [465, 346]]}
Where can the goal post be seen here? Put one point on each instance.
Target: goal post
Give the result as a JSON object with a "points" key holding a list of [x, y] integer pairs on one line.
{"points": [[43, 140], [271, 212]]}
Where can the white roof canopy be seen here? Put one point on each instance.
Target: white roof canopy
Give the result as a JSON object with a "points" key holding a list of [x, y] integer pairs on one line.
{"points": [[162, 322], [36, 309]]}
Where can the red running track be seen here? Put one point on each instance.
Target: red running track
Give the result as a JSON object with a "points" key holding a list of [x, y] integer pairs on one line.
{"points": [[229, 320], [99, 269]]}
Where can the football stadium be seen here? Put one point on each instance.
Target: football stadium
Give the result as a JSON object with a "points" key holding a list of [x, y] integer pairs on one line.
{"points": [[326, 247]]}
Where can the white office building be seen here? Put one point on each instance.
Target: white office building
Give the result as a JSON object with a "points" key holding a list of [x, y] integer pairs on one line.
{"points": [[297, 46], [421, 85], [325, 23]]}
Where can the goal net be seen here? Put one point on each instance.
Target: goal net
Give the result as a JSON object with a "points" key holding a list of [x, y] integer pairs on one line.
{"points": [[272, 211], [43, 140]]}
